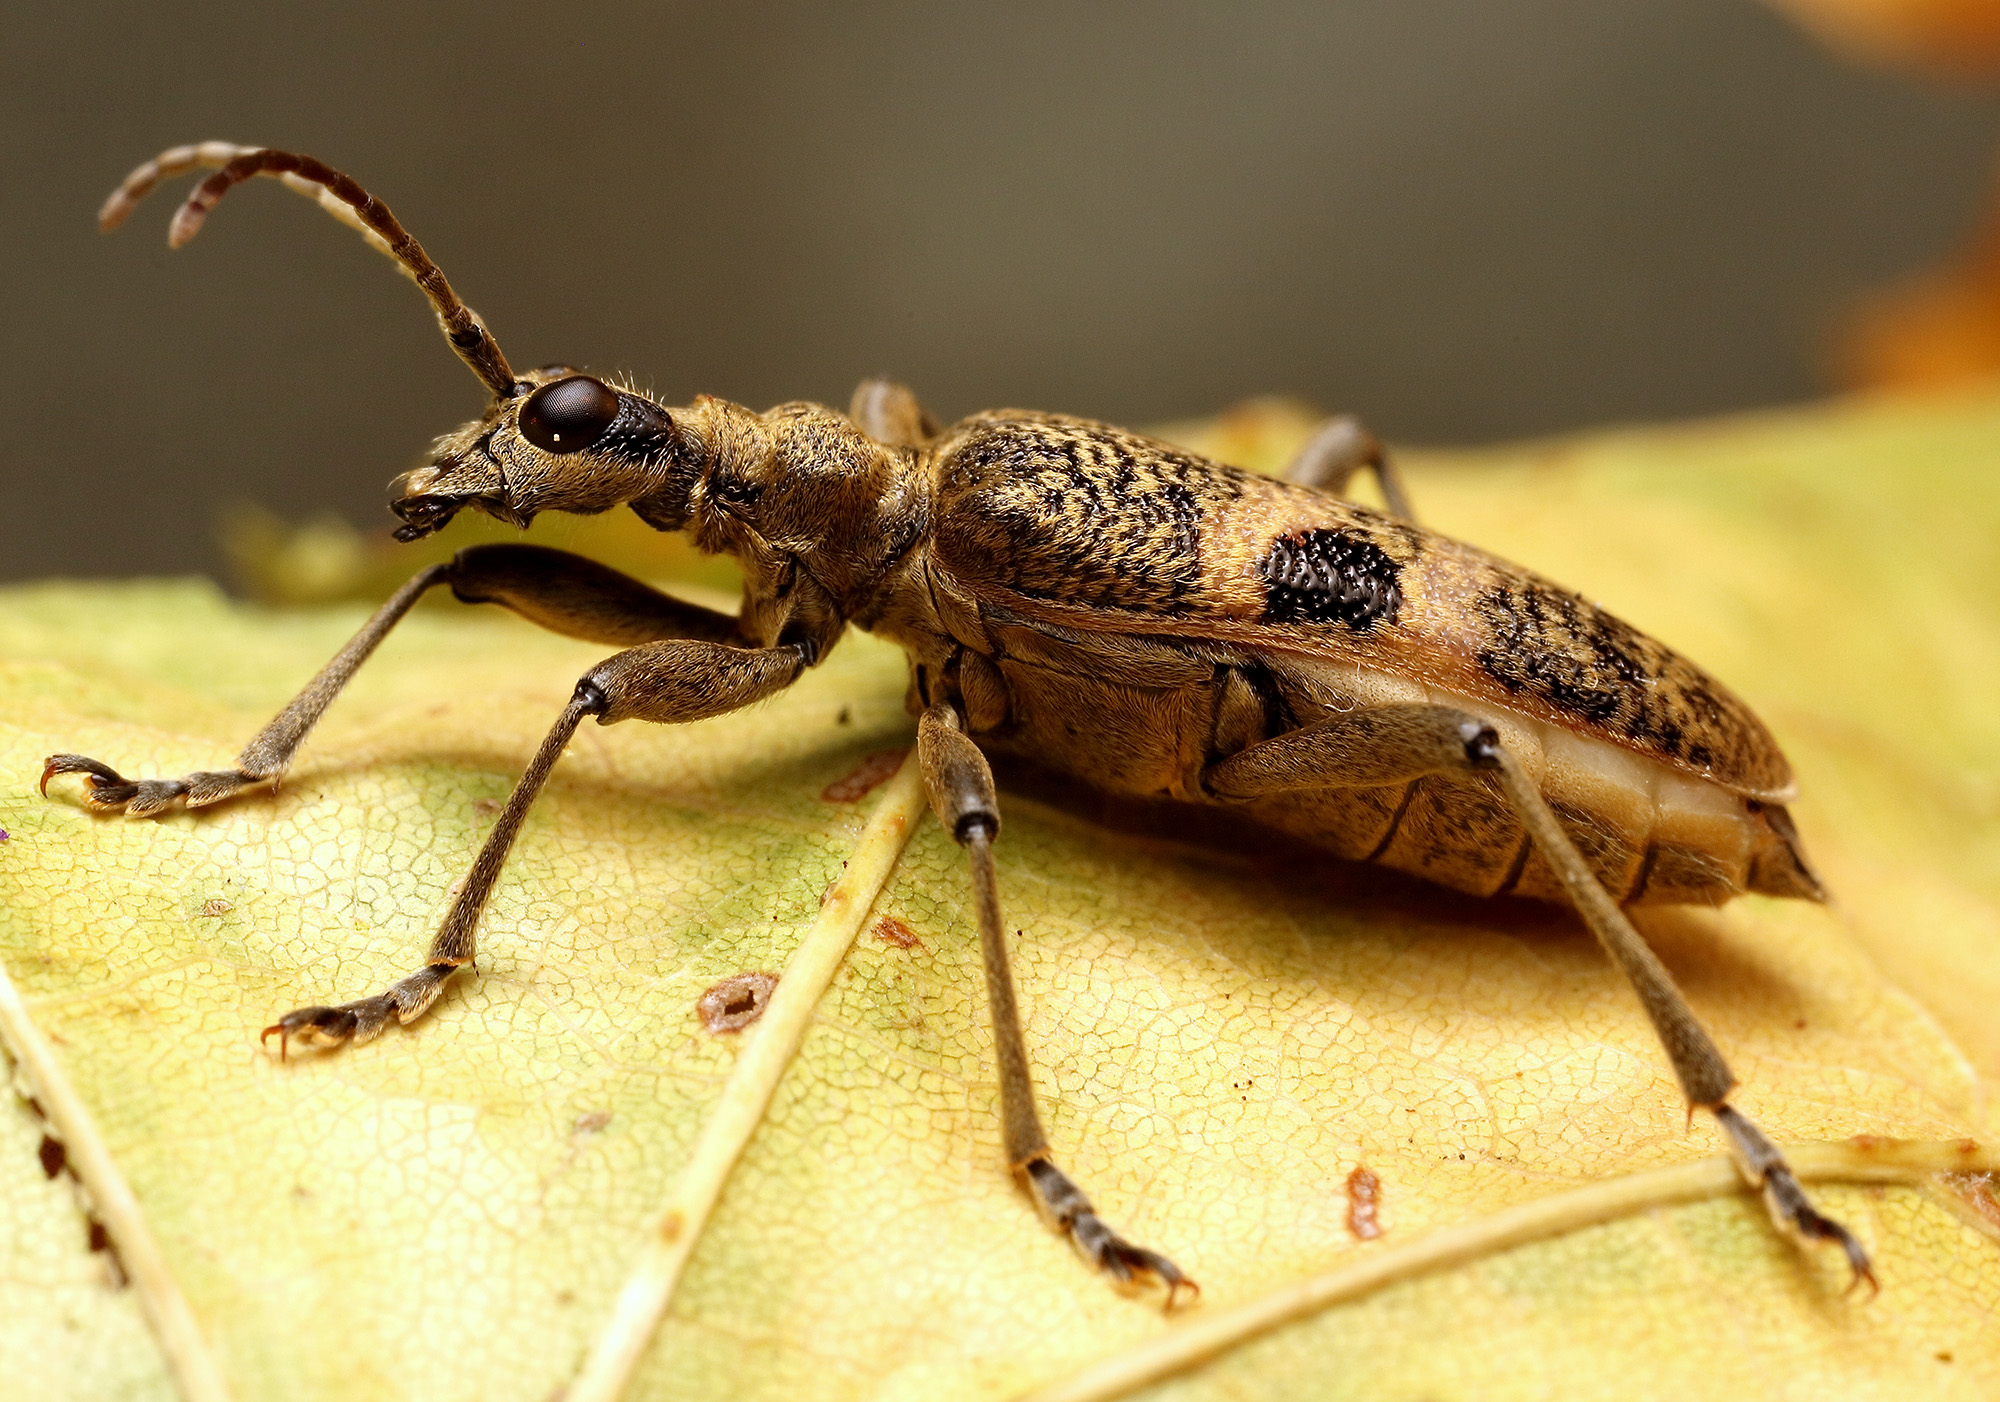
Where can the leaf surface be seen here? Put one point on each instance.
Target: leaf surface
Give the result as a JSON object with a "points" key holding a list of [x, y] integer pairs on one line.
{"points": [[1221, 1038]]}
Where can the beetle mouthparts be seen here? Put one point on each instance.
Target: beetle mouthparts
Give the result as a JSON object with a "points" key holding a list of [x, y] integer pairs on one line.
{"points": [[423, 515]]}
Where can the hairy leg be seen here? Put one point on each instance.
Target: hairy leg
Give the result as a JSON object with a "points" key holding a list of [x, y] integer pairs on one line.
{"points": [[889, 413]]}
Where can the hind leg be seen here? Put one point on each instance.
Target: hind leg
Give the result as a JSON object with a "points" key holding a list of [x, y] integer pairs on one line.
{"points": [[1396, 744]]}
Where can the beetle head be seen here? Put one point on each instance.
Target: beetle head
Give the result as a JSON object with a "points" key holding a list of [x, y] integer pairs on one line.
{"points": [[558, 441]]}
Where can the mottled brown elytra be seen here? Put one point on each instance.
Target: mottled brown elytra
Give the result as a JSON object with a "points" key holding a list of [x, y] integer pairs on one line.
{"points": [[1137, 617]]}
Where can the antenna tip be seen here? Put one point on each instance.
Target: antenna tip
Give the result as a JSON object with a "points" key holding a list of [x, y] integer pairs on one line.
{"points": [[116, 208], [187, 223]]}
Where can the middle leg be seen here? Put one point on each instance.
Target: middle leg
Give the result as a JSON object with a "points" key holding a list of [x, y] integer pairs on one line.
{"points": [[962, 794], [889, 413], [678, 679], [1337, 450]]}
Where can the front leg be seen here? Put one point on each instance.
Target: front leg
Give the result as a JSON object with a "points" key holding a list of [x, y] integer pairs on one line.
{"points": [[962, 794], [562, 592], [265, 757], [675, 680]]}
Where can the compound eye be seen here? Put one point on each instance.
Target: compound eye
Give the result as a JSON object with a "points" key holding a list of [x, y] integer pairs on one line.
{"points": [[569, 415]]}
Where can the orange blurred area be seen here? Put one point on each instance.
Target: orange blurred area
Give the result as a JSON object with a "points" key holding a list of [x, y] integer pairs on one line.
{"points": [[1942, 326], [1951, 37]]}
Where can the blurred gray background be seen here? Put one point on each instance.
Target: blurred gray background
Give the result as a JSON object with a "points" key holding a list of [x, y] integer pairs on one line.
{"points": [[1465, 221]]}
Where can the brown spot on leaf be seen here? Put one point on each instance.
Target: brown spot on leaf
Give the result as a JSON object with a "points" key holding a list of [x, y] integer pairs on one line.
{"points": [[53, 1156], [1364, 1199], [890, 930], [873, 771], [101, 1243], [591, 1123], [485, 808], [211, 910], [736, 1002]]}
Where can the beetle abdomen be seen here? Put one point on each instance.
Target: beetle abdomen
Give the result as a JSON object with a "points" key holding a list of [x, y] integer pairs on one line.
{"points": [[1652, 832]]}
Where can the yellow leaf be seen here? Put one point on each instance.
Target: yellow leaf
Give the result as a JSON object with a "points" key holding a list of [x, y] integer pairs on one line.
{"points": [[449, 1212]]}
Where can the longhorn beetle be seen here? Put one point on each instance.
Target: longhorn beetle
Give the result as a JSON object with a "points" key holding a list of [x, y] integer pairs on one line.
{"points": [[1140, 618]]}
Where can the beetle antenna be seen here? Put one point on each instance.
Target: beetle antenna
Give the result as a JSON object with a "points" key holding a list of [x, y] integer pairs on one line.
{"points": [[340, 195]]}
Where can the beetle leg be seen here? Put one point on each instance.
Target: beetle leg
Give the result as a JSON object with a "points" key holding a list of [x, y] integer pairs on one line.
{"points": [[456, 941], [962, 795], [1393, 744], [265, 757], [673, 680], [1338, 449], [889, 413], [576, 596], [1704, 1076], [560, 591]]}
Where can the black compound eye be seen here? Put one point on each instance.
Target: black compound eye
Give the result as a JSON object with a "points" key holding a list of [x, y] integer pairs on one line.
{"points": [[569, 415]]}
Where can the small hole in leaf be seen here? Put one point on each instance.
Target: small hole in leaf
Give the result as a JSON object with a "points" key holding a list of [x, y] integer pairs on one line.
{"points": [[736, 1002]]}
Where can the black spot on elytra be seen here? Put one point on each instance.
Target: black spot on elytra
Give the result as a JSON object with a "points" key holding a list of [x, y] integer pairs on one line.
{"points": [[1330, 576], [1551, 644]]}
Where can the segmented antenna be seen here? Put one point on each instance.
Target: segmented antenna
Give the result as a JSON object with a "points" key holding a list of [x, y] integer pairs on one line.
{"points": [[340, 195]]}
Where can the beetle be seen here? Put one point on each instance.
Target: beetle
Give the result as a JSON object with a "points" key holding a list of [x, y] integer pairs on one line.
{"points": [[1101, 603]]}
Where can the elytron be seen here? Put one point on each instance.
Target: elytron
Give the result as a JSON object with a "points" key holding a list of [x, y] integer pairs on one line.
{"points": [[1134, 616]]}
